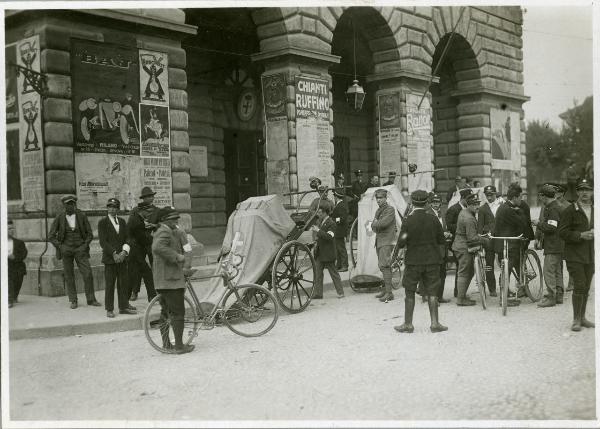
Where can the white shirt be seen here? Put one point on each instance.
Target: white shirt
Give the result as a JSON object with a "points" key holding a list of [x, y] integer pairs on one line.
{"points": [[71, 220], [494, 205], [10, 246], [587, 209], [438, 214], [115, 223]]}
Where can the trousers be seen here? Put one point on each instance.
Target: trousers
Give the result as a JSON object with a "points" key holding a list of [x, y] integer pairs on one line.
{"points": [[139, 269], [582, 276], [173, 307], [115, 273], [553, 273], [464, 272], [82, 258], [335, 276], [342, 254]]}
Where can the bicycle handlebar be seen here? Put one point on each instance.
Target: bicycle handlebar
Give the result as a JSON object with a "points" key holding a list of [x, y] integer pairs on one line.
{"points": [[519, 237]]}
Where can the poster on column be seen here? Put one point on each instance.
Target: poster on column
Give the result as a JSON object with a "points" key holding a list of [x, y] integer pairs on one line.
{"points": [[110, 175], [12, 108], [154, 77], [105, 98], [313, 138], [506, 140], [30, 128], [419, 142], [389, 134], [156, 174], [155, 131]]}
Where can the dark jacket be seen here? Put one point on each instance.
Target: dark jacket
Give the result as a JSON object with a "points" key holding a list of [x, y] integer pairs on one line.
{"points": [[442, 213], [139, 233], [466, 232], [485, 219], [325, 250], [56, 236], [16, 266], [166, 271], [423, 237], [452, 218], [110, 241], [548, 225], [526, 213], [384, 226], [340, 217], [510, 222], [358, 188], [573, 222]]}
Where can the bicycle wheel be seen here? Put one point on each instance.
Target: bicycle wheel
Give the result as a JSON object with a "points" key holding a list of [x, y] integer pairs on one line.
{"points": [[158, 327], [250, 310], [533, 275], [504, 279], [480, 280], [353, 238]]}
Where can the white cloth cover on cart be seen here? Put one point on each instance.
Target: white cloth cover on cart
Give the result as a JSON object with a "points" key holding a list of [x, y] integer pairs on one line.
{"points": [[366, 260], [256, 230]]}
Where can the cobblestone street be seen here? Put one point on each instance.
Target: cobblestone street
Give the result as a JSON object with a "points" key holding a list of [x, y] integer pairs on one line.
{"points": [[338, 360]]}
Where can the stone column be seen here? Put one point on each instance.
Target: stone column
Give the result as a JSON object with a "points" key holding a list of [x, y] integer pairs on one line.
{"points": [[282, 163]]}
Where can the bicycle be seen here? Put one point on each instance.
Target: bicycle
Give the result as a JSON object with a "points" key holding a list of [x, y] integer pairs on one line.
{"points": [[240, 308], [529, 270], [480, 269]]}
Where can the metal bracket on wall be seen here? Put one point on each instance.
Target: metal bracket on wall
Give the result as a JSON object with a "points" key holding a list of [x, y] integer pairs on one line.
{"points": [[37, 80]]}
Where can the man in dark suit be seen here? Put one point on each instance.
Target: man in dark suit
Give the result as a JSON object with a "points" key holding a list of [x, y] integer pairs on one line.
{"points": [[112, 233], [340, 217], [576, 228], [17, 252], [384, 226], [358, 188], [435, 208], [485, 225], [423, 237], [71, 235], [451, 221], [323, 233], [143, 220]]}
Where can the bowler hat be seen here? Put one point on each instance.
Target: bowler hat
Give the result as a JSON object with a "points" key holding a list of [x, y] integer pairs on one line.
{"points": [[584, 184], [167, 213], [113, 202], [490, 189], [465, 192], [392, 173], [419, 197], [547, 191], [473, 199], [68, 198], [147, 192]]}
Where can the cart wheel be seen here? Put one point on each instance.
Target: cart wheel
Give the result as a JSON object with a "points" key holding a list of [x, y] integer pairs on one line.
{"points": [[353, 237], [292, 276]]}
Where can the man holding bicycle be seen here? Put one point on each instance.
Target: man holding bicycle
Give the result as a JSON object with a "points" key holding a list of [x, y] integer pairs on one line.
{"points": [[169, 277], [576, 228], [485, 225]]}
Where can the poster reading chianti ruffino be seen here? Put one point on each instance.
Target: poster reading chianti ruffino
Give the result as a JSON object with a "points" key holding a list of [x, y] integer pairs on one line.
{"points": [[154, 77], [313, 137], [30, 127], [389, 133], [419, 141]]}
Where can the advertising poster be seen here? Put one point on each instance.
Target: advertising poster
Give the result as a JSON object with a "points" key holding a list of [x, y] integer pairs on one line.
{"points": [[156, 173], [154, 77], [30, 128], [312, 130], [274, 96], [389, 134], [419, 142], [154, 122], [102, 177], [12, 108], [506, 140], [105, 98], [199, 155], [13, 165]]}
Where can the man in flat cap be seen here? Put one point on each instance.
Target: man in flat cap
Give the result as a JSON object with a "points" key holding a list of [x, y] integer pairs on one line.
{"points": [[113, 236], [435, 208], [71, 234], [340, 217], [423, 237], [547, 233], [485, 225], [143, 219], [384, 226], [391, 178], [169, 274], [466, 242], [576, 228], [452, 219]]}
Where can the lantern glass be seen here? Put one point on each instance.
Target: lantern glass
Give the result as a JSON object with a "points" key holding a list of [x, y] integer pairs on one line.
{"points": [[355, 96]]}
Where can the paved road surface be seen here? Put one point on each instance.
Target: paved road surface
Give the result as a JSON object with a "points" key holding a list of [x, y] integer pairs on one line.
{"points": [[339, 360]]}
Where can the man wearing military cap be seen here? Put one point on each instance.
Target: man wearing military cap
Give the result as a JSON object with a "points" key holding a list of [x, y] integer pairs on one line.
{"points": [[143, 219], [113, 236], [423, 237], [71, 235], [486, 220], [466, 242], [384, 226], [547, 233], [340, 217], [358, 188], [391, 179], [576, 228], [435, 208]]}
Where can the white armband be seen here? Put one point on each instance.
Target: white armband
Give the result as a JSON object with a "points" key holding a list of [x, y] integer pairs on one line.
{"points": [[553, 223], [187, 247], [330, 233], [126, 248]]}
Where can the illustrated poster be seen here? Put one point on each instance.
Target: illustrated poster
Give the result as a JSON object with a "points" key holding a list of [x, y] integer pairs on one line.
{"points": [[155, 132], [389, 134], [12, 108], [154, 77], [506, 140]]}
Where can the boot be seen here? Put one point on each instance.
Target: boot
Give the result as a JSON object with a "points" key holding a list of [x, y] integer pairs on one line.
{"points": [[577, 307], [164, 333], [381, 293], [433, 312], [548, 301], [462, 300], [409, 308], [559, 296], [387, 283], [584, 322]]}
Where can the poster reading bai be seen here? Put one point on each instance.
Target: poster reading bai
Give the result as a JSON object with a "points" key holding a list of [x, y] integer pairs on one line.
{"points": [[419, 142]]}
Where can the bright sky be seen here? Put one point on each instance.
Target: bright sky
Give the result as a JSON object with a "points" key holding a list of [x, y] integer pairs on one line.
{"points": [[557, 60]]}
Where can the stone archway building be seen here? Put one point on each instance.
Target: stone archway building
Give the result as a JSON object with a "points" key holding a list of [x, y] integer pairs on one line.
{"points": [[226, 144]]}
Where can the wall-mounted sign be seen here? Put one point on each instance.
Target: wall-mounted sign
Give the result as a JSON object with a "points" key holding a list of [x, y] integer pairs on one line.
{"points": [[199, 155], [419, 142], [247, 104], [389, 133], [154, 122], [274, 96], [154, 77], [506, 140]]}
